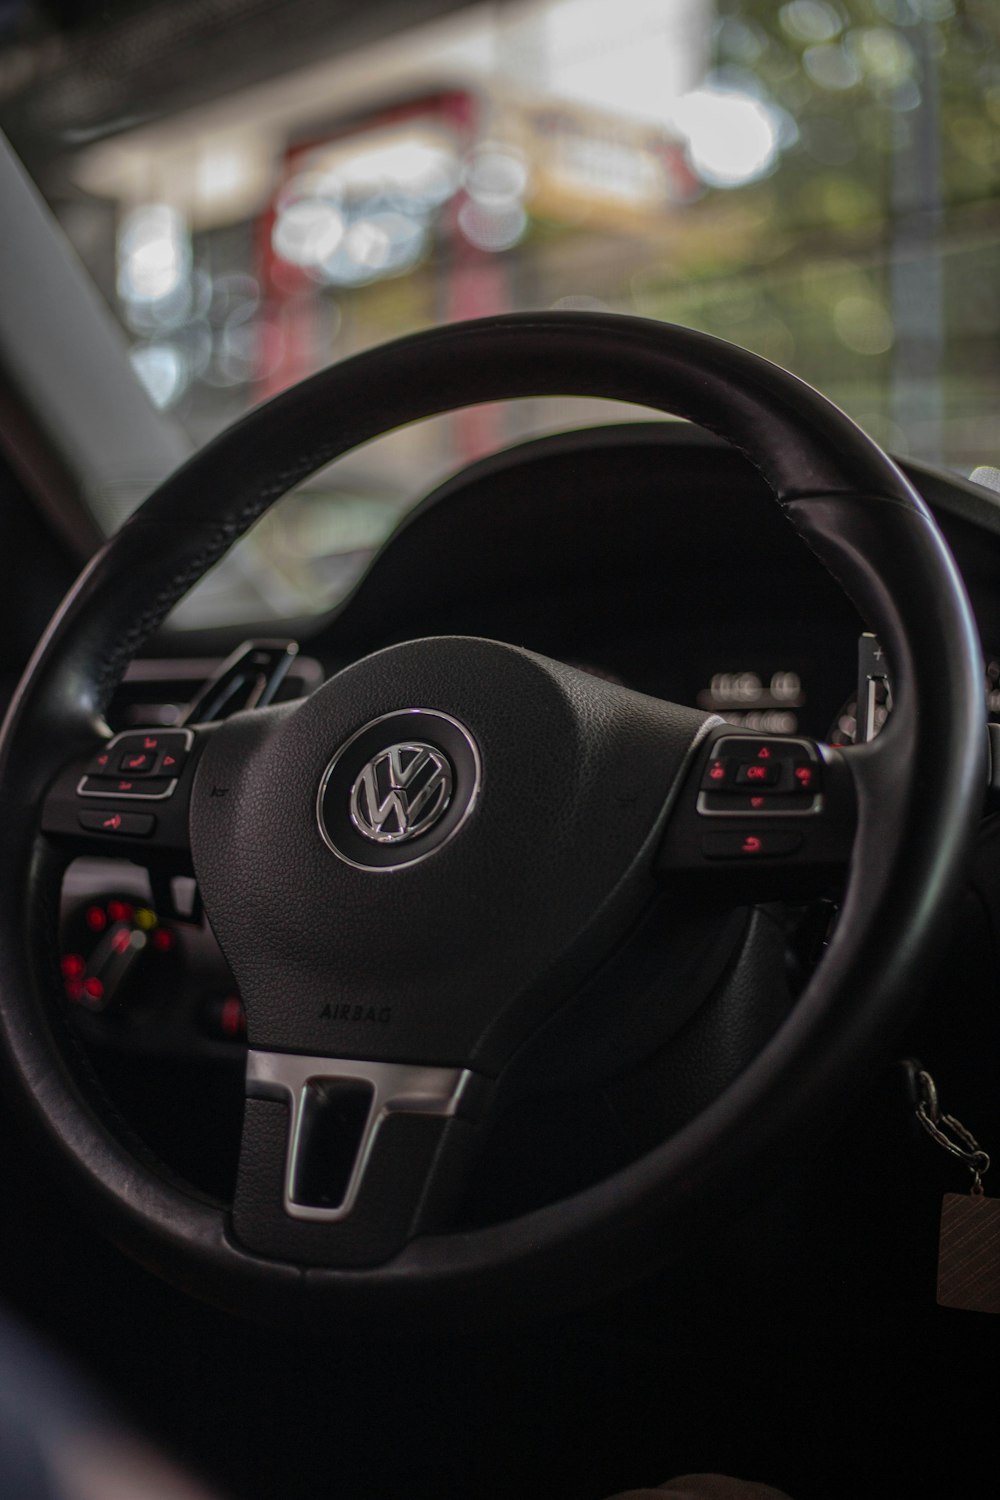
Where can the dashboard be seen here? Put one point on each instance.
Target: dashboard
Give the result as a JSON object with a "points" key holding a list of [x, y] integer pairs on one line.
{"points": [[649, 553]]}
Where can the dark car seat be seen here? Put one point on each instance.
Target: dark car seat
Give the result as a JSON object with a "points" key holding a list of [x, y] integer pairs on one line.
{"points": [[60, 1442]]}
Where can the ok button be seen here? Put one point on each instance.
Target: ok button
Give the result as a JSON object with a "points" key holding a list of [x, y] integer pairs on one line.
{"points": [[758, 773]]}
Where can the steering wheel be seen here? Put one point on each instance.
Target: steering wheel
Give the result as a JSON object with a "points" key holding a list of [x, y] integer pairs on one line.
{"points": [[416, 868]]}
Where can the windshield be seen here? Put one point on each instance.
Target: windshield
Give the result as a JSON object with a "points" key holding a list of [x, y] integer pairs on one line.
{"points": [[259, 189]]}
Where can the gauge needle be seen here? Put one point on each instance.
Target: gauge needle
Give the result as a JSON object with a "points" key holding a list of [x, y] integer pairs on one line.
{"points": [[112, 959]]}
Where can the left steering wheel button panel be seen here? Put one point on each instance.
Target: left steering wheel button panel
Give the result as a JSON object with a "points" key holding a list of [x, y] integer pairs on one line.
{"points": [[139, 763]]}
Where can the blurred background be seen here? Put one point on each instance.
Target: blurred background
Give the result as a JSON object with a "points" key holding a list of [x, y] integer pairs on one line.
{"points": [[258, 189]]}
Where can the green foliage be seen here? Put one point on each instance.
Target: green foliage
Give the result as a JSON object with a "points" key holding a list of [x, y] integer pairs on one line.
{"points": [[894, 104]]}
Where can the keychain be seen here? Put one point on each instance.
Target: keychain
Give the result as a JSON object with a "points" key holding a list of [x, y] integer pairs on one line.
{"points": [[969, 1247]]}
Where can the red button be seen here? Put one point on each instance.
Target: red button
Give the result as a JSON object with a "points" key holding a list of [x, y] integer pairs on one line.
{"points": [[758, 803], [758, 773], [118, 824], [742, 845], [137, 762], [114, 786], [718, 774]]}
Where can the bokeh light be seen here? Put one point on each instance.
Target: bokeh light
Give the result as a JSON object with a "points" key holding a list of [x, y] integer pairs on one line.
{"points": [[731, 138]]}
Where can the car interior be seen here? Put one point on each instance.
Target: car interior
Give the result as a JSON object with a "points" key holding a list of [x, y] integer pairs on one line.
{"points": [[500, 766]]}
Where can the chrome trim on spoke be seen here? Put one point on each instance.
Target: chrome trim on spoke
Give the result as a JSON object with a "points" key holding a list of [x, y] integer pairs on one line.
{"points": [[83, 791], [397, 1088], [816, 806]]}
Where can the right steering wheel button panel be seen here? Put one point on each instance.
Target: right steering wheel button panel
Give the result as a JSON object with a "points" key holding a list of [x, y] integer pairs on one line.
{"points": [[756, 802], [768, 776]]}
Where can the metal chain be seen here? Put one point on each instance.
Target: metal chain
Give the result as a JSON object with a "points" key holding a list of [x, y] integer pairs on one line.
{"points": [[960, 1142]]}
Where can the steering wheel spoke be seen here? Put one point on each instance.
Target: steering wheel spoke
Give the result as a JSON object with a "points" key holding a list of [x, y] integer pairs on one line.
{"points": [[762, 817], [130, 796], [343, 1160]]}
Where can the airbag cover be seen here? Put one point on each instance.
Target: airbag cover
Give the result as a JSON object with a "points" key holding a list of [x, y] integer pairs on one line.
{"points": [[454, 957]]}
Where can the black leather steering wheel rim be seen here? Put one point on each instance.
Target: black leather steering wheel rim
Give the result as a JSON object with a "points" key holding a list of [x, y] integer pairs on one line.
{"points": [[919, 789]]}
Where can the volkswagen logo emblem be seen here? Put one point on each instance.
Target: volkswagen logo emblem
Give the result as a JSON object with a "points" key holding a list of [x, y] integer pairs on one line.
{"points": [[401, 793], [398, 789]]}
